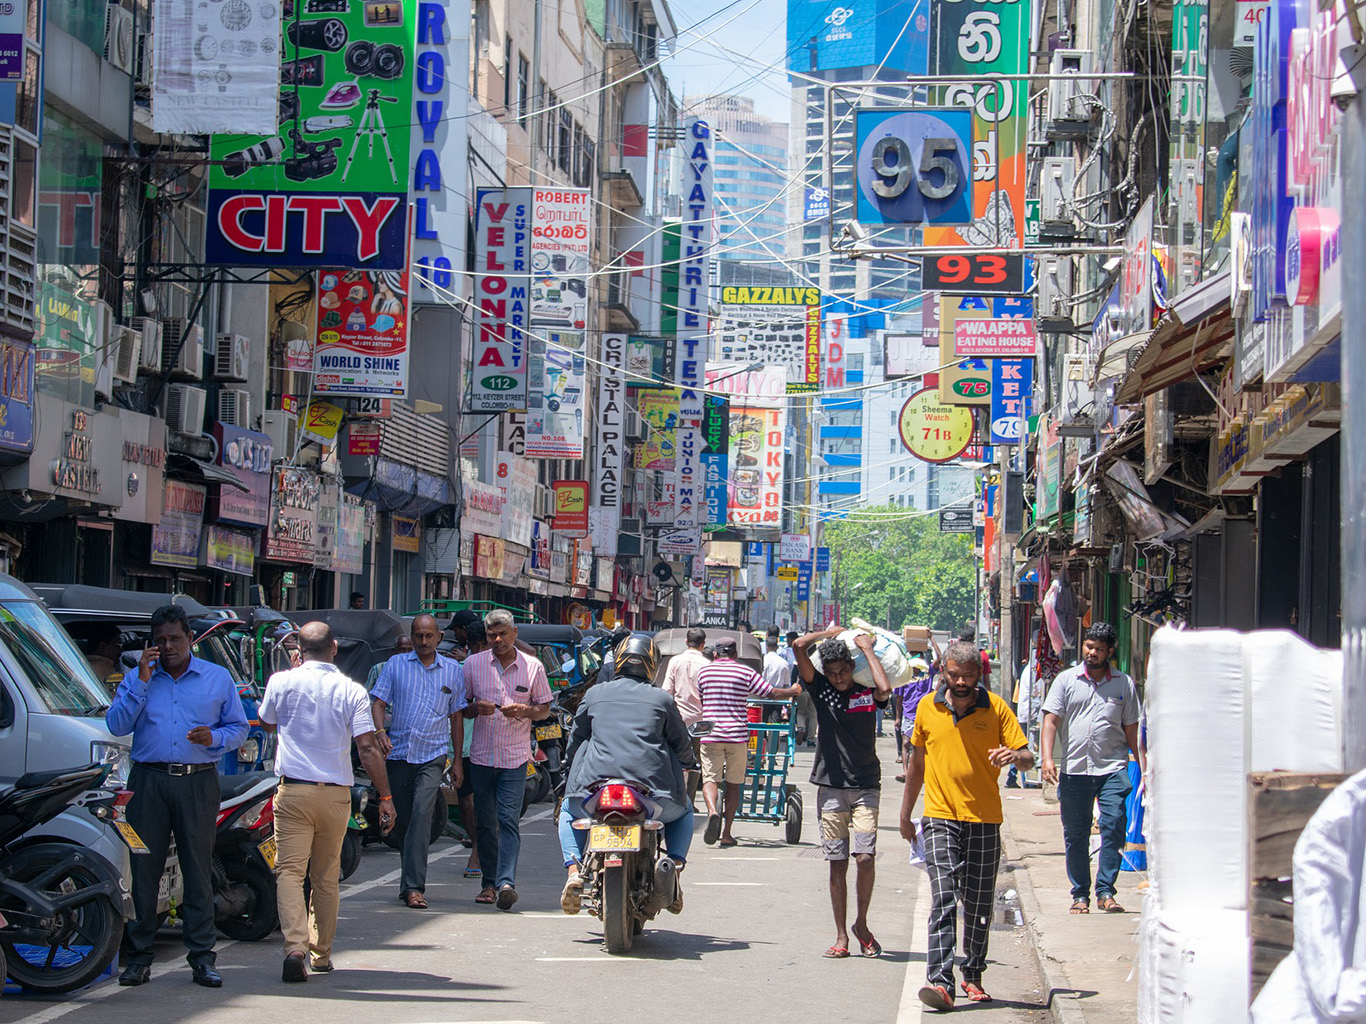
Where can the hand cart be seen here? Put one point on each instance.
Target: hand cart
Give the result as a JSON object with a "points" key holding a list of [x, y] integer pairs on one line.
{"points": [[766, 794]]}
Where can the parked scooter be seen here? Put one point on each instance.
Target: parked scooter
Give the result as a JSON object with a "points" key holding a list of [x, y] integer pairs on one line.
{"points": [[355, 831], [62, 907], [244, 857]]}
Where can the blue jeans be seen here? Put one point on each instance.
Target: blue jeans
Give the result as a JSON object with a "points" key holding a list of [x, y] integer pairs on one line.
{"points": [[1076, 793], [498, 794], [677, 819]]}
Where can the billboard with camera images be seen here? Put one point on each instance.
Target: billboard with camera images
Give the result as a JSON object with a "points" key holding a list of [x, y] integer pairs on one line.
{"points": [[329, 187]]}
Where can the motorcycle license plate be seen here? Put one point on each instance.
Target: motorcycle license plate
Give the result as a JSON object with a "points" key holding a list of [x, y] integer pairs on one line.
{"points": [[267, 848], [614, 838], [131, 837], [549, 732]]}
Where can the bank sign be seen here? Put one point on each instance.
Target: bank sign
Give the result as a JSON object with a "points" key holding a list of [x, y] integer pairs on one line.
{"points": [[330, 186]]}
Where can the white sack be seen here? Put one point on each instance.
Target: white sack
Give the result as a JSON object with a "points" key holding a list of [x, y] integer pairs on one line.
{"points": [[1294, 692]]}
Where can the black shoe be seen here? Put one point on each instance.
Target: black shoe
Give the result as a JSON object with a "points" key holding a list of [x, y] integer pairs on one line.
{"points": [[713, 831], [294, 969], [136, 974], [507, 896], [204, 974]]}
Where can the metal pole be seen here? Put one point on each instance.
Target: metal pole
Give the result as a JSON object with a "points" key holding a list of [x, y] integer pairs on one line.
{"points": [[1353, 436]]}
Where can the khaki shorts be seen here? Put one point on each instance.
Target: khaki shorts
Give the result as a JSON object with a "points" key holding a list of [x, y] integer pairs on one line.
{"points": [[845, 812], [724, 761]]}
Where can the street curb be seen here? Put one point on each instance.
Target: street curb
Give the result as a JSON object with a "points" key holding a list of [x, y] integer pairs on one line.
{"points": [[1065, 1008]]}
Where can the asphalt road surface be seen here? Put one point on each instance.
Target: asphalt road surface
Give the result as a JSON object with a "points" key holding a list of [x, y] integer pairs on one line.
{"points": [[747, 948]]}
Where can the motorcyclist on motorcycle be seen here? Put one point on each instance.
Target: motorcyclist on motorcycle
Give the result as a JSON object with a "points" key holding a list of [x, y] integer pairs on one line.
{"points": [[628, 728]]}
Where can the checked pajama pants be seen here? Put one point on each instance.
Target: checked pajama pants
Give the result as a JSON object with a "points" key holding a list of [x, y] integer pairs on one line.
{"points": [[962, 858]]}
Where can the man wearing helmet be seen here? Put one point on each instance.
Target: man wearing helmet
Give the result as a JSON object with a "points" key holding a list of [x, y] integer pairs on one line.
{"points": [[627, 728]]}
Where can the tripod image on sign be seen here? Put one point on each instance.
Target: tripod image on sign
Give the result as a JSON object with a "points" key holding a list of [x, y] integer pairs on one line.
{"points": [[372, 124]]}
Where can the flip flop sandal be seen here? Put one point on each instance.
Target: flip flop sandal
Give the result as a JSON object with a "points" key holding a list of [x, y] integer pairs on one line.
{"points": [[713, 830], [836, 953], [871, 948], [486, 895], [726, 844], [936, 997], [1080, 907], [974, 992], [474, 872], [1110, 905]]}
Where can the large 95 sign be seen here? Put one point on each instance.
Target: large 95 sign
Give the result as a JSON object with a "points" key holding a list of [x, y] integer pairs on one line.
{"points": [[913, 166]]}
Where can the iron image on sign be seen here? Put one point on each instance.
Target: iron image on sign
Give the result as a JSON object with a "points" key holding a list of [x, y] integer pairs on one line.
{"points": [[994, 338], [914, 166]]}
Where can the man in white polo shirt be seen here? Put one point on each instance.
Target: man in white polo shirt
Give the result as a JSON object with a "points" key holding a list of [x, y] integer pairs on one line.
{"points": [[317, 711]]}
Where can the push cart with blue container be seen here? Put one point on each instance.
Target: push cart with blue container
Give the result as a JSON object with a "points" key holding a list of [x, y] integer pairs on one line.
{"points": [[767, 795]]}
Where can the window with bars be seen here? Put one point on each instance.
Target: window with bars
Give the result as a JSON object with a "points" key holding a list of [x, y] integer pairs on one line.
{"points": [[566, 132], [507, 76]]}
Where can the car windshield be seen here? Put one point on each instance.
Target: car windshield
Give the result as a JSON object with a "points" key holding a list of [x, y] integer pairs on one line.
{"points": [[217, 647], [55, 669]]}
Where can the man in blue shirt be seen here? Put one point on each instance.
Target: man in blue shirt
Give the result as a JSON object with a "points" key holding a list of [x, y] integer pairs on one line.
{"points": [[184, 714], [426, 692]]}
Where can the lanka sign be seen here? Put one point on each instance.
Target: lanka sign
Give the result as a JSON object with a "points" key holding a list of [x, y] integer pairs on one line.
{"points": [[330, 187], [502, 260]]}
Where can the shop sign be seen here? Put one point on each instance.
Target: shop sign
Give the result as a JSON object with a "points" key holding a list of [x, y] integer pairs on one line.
{"points": [[609, 446], [76, 470], [561, 241], [1136, 275], [539, 564], [995, 338], [557, 400], [757, 449], [716, 460], [914, 166], [650, 361], [290, 535], [16, 395], [579, 616], [502, 256], [786, 572], [716, 606], [349, 553], [407, 534], [659, 410], [248, 456], [774, 326], [1012, 399], [559, 560], [933, 431], [321, 421], [1048, 500], [966, 380], [516, 478], [364, 438], [691, 354], [571, 506], [804, 583], [362, 332], [329, 186], [329, 511], [679, 542], [604, 567], [142, 470], [481, 508], [489, 557], [822, 559], [229, 550], [1271, 205], [175, 539], [582, 564]]}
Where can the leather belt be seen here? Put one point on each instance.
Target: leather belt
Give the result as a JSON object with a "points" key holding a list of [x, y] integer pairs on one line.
{"points": [[176, 768], [306, 782]]}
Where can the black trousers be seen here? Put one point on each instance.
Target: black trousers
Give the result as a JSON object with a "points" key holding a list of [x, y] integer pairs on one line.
{"points": [[416, 789], [185, 806]]}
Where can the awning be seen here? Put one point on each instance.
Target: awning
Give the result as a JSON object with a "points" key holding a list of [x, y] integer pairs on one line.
{"points": [[1194, 335], [196, 471]]}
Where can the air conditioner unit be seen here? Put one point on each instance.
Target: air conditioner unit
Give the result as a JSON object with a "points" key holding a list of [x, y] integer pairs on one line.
{"points": [[120, 44], [1055, 197], [283, 429], [1054, 305], [150, 356], [633, 527], [182, 349], [234, 407], [185, 407], [142, 55], [1067, 112], [128, 350], [635, 426], [1078, 403], [230, 357]]}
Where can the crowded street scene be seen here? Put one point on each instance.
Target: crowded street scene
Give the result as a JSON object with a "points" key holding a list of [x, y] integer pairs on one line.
{"points": [[535, 512]]}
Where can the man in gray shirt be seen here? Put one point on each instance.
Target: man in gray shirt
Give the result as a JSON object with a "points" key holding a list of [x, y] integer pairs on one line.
{"points": [[1096, 709]]}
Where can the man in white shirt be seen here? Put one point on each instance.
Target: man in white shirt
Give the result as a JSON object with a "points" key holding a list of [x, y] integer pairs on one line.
{"points": [[680, 682], [317, 711], [777, 670]]}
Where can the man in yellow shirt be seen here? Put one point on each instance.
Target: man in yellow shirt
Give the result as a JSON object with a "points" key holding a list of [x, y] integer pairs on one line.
{"points": [[963, 736]]}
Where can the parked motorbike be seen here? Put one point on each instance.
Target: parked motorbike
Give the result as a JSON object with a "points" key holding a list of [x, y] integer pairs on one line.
{"points": [[62, 907], [355, 831], [244, 857]]}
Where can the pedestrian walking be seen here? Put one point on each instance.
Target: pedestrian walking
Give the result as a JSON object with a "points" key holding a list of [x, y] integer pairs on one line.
{"points": [[1095, 709], [777, 671], [317, 711], [680, 682], [910, 695], [184, 714], [725, 686], [508, 691], [475, 640], [426, 692], [963, 736], [847, 774]]}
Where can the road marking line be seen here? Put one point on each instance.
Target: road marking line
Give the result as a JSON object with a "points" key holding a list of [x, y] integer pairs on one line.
{"points": [[911, 1010], [744, 884], [587, 960], [732, 859]]}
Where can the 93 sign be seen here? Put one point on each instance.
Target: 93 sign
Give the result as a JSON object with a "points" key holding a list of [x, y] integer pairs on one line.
{"points": [[970, 273], [914, 167]]}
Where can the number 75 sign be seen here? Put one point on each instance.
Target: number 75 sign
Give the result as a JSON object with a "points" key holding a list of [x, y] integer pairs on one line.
{"points": [[914, 166]]}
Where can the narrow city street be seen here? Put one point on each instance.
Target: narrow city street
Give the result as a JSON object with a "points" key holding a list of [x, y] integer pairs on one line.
{"points": [[746, 948]]}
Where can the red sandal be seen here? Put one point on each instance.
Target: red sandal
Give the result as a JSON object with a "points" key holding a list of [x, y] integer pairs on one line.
{"points": [[936, 997], [974, 992]]}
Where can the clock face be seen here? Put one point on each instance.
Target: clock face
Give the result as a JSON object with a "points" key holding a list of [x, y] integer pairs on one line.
{"points": [[933, 431]]}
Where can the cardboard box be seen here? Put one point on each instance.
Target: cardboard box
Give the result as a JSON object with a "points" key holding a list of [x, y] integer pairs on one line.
{"points": [[917, 638]]}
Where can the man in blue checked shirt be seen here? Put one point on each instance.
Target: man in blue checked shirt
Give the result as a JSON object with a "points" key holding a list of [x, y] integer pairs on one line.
{"points": [[184, 714], [426, 692]]}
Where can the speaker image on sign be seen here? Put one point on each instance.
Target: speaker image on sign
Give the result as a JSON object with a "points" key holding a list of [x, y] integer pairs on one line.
{"points": [[1014, 510]]}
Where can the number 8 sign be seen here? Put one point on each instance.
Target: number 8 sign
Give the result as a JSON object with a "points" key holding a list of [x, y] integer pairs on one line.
{"points": [[914, 166]]}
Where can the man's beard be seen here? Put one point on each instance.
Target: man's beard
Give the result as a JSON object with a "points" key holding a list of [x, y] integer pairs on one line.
{"points": [[962, 691]]}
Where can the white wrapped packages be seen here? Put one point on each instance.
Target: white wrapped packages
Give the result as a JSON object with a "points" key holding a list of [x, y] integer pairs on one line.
{"points": [[887, 646], [1193, 968], [1197, 832], [1294, 693]]}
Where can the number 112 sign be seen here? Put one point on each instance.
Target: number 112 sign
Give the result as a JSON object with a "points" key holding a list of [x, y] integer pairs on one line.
{"points": [[914, 166]]}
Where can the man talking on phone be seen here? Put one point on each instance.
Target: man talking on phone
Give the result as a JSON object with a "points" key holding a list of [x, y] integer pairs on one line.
{"points": [[184, 714]]}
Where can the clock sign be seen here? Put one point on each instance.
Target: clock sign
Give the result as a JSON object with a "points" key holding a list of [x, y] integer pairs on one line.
{"points": [[933, 431]]}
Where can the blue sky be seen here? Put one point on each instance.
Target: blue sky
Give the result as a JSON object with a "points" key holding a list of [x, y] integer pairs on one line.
{"points": [[754, 28]]}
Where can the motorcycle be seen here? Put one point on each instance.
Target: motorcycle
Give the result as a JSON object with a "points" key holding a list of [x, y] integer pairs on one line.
{"points": [[244, 904], [62, 907], [355, 831]]}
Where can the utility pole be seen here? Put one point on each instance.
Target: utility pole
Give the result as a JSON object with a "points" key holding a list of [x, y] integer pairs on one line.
{"points": [[1353, 436]]}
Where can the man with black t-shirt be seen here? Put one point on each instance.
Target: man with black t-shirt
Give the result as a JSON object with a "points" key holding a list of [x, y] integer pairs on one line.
{"points": [[847, 773]]}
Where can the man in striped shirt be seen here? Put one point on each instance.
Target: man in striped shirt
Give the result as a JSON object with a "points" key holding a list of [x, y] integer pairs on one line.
{"points": [[508, 691], [725, 686], [426, 692]]}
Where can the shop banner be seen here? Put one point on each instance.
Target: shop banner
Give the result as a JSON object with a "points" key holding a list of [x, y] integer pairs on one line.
{"points": [[690, 357], [659, 511], [291, 532], [773, 326], [407, 534], [516, 478], [680, 542], [16, 396], [212, 74], [247, 455], [561, 241], [649, 362], [969, 40], [609, 446], [328, 187], [539, 563], [1012, 399], [229, 550], [659, 410], [329, 510], [362, 333], [716, 604], [995, 338], [481, 508], [364, 439], [175, 540], [966, 380], [757, 435], [65, 340], [761, 385], [502, 261], [716, 459], [557, 375], [571, 507], [490, 554], [349, 554]]}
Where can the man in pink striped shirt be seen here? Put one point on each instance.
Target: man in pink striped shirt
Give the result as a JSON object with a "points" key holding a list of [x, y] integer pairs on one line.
{"points": [[507, 690]]}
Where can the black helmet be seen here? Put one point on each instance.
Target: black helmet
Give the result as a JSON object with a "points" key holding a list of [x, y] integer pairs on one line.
{"points": [[636, 656]]}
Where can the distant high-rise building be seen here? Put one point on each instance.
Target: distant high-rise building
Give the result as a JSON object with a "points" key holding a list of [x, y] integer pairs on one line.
{"points": [[750, 175]]}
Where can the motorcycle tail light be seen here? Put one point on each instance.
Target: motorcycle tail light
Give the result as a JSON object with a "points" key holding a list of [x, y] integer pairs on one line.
{"points": [[617, 797], [121, 799], [260, 815]]}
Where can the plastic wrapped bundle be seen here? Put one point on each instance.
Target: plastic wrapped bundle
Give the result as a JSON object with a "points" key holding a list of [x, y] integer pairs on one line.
{"points": [[1192, 968], [888, 647], [1294, 692]]}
